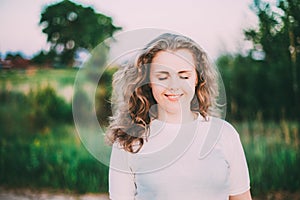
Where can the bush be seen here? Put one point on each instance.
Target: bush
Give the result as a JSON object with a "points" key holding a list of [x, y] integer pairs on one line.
{"points": [[272, 152], [48, 107], [56, 160], [39, 148], [22, 114]]}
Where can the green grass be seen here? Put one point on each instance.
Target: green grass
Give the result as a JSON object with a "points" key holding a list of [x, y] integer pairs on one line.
{"points": [[25, 80], [39, 146], [272, 151], [32, 77], [55, 159]]}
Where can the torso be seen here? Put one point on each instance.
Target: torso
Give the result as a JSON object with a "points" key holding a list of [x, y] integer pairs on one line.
{"points": [[169, 165]]}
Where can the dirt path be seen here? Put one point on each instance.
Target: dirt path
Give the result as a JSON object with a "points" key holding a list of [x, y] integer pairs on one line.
{"points": [[279, 195], [25, 194]]}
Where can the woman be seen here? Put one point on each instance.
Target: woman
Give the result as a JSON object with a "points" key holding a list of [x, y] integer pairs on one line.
{"points": [[166, 142]]}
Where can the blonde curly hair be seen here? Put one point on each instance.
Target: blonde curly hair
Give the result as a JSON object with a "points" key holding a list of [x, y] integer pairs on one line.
{"points": [[132, 97]]}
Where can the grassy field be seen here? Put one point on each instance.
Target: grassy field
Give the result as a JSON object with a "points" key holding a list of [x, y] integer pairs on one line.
{"points": [[39, 146], [272, 151], [39, 143], [25, 80]]}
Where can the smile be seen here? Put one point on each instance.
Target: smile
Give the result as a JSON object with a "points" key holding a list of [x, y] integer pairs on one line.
{"points": [[173, 97]]}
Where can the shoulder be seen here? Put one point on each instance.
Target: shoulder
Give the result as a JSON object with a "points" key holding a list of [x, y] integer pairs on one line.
{"points": [[219, 134], [229, 139], [226, 128], [224, 131]]}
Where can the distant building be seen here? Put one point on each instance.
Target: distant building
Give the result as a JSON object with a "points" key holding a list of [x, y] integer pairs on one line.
{"points": [[16, 62]]}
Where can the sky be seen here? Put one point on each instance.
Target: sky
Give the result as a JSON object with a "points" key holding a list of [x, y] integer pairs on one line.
{"points": [[217, 25]]}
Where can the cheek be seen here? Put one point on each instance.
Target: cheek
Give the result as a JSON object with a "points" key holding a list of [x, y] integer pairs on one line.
{"points": [[189, 86], [157, 90]]}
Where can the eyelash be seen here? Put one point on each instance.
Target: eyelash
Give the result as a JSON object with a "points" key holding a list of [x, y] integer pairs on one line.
{"points": [[182, 77], [161, 79]]}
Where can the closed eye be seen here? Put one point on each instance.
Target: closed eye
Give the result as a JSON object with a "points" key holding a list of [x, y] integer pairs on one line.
{"points": [[184, 77], [162, 75], [162, 78], [184, 74]]}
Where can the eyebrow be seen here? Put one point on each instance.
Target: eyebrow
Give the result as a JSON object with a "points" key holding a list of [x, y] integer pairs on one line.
{"points": [[162, 72], [180, 72], [185, 71]]}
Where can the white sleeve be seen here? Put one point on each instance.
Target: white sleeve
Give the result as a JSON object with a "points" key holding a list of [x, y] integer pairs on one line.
{"points": [[121, 178], [239, 174]]}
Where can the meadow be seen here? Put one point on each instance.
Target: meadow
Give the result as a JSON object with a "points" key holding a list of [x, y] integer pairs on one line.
{"points": [[40, 148]]}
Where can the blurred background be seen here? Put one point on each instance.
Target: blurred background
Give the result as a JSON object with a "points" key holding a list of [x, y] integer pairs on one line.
{"points": [[254, 43]]}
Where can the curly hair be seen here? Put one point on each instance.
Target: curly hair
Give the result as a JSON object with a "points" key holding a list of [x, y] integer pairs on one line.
{"points": [[132, 97]]}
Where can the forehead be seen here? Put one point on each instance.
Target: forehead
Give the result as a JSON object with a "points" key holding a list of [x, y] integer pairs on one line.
{"points": [[173, 60]]}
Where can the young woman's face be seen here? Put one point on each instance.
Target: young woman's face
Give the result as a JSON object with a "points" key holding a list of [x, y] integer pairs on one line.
{"points": [[173, 79]]}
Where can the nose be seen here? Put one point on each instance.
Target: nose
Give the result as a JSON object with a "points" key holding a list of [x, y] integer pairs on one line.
{"points": [[173, 83]]}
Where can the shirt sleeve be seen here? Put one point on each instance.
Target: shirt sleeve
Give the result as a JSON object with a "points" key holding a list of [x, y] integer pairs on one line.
{"points": [[239, 175], [121, 178]]}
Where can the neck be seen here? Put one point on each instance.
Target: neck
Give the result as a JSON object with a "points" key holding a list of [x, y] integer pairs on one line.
{"points": [[176, 118]]}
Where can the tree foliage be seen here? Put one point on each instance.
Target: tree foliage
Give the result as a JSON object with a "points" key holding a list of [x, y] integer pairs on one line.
{"points": [[70, 26], [270, 85]]}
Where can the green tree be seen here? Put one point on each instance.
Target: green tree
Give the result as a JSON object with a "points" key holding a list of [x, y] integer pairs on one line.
{"points": [[13, 56], [278, 36], [43, 58], [246, 87], [70, 26], [291, 20]]}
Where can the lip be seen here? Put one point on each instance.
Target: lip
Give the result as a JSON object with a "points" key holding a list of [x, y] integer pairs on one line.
{"points": [[173, 97]]}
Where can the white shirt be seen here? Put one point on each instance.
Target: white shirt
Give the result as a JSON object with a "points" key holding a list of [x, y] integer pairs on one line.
{"points": [[196, 160]]}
